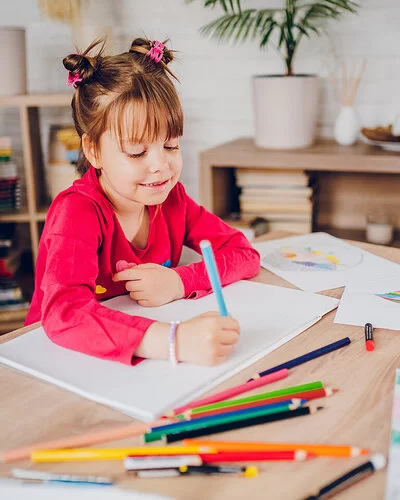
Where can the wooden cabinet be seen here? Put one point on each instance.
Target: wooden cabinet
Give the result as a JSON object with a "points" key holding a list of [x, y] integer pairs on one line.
{"points": [[352, 180]]}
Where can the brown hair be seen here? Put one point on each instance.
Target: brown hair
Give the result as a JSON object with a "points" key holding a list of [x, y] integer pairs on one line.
{"points": [[109, 86]]}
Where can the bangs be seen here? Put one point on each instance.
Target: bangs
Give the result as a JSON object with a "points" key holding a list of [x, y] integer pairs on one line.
{"points": [[140, 117]]}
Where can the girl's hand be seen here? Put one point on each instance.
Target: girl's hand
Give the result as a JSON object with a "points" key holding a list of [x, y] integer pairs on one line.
{"points": [[151, 284], [207, 339]]}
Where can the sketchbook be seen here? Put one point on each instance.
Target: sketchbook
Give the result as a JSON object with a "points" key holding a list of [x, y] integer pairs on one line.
{"points": [[269, 316], [319, 261]]}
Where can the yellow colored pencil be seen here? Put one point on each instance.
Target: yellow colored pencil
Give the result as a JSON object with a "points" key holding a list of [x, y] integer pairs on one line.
{"points": [[87, 454]]}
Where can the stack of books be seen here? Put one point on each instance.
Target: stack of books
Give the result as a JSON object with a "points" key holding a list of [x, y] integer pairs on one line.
{"points": [[11, 297], [284, 198], [10, 191]]}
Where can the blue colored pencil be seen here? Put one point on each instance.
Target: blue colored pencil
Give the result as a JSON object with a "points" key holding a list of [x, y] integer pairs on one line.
{"points": [[305, 357], [213, 275]]}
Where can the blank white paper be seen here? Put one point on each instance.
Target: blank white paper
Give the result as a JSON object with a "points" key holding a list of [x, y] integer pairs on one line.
{"points": [[269, 316]]}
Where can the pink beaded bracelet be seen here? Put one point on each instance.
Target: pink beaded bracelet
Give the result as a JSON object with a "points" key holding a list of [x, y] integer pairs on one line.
{"points": [[172, 341]]}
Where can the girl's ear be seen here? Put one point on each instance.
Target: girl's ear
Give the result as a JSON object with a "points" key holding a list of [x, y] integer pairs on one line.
{"points": [[89, 151]]}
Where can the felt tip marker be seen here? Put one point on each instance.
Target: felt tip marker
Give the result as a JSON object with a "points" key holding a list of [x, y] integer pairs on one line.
{"points": [[369, 337]]}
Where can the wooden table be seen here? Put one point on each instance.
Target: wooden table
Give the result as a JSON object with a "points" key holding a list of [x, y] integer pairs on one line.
{"points": [[359, 414]]}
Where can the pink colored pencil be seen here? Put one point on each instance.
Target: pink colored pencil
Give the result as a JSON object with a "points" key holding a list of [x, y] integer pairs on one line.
{"points": [[79, 441], [234, 391]]}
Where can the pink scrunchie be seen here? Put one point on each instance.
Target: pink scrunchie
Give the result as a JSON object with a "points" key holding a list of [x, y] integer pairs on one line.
{"points": [[157, 51]]}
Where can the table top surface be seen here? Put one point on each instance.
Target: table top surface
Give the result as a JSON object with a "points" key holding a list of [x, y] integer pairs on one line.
{"points": [[359, 415]]}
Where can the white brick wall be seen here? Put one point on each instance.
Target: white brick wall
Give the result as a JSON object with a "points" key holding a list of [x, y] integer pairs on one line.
{"points": [[216, 79]]}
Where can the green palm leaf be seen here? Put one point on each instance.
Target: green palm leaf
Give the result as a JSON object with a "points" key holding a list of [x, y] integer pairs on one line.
{"points": [[297, 19]]}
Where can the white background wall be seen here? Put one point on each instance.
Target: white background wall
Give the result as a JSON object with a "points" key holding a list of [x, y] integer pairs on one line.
{"points": [[216, 79]]}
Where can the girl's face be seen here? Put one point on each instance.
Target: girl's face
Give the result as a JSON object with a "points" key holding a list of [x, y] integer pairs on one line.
{"points": [[141, 174]]}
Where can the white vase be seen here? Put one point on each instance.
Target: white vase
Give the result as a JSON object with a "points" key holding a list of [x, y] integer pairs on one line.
{"points": [[347, 126], [285, 110]]}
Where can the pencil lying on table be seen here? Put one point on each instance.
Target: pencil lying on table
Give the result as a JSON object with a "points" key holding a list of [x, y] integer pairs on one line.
{"points": [[261, 419], [308, 395], [322, 450], [263, 397], [230, 393], [88, 439], [87, 454], [157, 433]]}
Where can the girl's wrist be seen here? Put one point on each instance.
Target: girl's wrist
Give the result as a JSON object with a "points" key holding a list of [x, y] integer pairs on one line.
{"points": [[154, 344]]}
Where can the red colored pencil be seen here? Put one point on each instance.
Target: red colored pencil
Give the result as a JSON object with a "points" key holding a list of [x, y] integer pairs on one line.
{"points": [[233, 391], [255, 456], [314, 394]]}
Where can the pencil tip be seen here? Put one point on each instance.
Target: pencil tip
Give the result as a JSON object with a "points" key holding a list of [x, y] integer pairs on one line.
{"points": [[335, 390], [319, 408]]}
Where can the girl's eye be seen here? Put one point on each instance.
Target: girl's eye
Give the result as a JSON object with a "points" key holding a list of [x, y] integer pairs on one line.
{"points": [[172, 148], [138, 155]]}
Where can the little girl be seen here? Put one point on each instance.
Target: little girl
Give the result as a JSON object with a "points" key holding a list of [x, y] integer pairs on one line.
{"points": [[122, 226]]}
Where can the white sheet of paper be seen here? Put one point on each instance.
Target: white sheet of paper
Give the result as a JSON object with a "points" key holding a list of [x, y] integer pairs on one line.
{"points": [[269, 316], [319, 261], [362, 302], [11, 489]]}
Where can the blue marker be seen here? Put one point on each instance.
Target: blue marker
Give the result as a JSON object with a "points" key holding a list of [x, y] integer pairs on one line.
{"points": [[213, 275]]}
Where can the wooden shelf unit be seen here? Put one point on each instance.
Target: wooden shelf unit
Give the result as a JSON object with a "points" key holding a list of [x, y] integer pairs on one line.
{"points": [[35, 211], [365, 166], [28, 106]]}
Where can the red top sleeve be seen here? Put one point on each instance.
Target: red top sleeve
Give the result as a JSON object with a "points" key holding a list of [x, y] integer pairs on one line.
{"points": [[235, 258], [71, 315]]}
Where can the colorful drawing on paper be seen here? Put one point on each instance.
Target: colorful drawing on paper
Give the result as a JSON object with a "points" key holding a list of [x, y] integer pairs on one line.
{"points": [[307, 258], [392, 296]]}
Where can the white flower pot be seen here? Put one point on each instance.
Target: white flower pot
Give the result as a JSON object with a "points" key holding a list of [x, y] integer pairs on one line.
{"points": [[286, 110], [347, 126]]}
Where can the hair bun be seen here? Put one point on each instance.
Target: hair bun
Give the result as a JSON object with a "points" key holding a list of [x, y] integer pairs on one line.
{"points": [[83, 65], [143, 46]]}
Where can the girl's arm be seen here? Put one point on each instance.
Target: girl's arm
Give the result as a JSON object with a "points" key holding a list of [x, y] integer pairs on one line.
{"points": [[67, 271], [236, 259], [71, 315]]}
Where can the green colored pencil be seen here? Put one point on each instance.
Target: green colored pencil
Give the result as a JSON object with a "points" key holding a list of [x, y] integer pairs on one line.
{"points": [[222, 418], [259, 397]]}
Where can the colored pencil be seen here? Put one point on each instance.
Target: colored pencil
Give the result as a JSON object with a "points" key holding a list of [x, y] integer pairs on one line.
{"points": [[322, 450], [308, 395], [260, 397], [261, 419], [207, 470], [256, 456], [304, 358], [156, 433], [209, 261], [88, 439], [146, 463], [86, 454], [230, 393]]}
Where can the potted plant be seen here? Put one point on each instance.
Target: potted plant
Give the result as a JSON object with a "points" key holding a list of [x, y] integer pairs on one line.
{"points": [[286, 105]]}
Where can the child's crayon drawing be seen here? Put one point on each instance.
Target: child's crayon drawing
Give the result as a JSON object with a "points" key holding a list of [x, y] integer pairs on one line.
{"points": [[392, 296], [307, 258]]}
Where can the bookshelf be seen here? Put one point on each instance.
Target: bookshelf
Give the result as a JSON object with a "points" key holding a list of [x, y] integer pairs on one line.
{"points": [[351, 180], [34, 213]]}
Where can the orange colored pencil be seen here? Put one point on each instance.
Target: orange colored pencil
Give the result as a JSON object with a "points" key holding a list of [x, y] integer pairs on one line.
{"points": [[88, 439], [313, 394], [322, 450]]}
